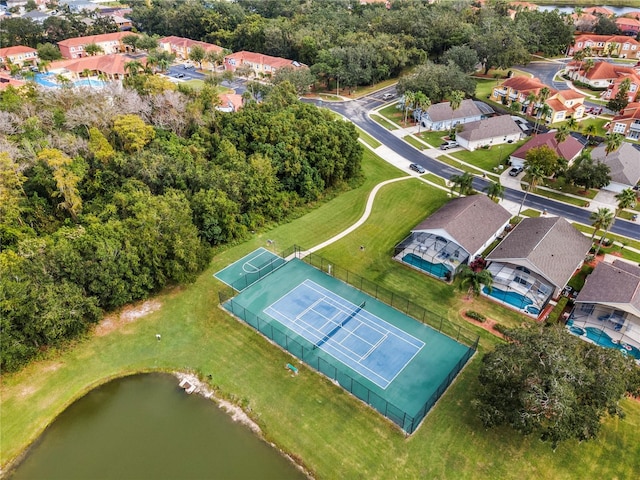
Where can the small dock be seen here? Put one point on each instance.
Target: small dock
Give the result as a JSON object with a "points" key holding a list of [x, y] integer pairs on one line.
{"points": [[187, 386]]}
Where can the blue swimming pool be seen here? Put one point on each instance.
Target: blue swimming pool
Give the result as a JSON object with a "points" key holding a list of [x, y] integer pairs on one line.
{"points": [[435, 269], [601, 338], [49, 80], [512, 298]]}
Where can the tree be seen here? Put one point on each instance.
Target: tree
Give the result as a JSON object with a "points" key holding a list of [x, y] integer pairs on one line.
{"points": [[463, 183], [612, 143], [473, 281], [498, 47], [600, 219], [627, 198], [421, 103], [48, 52], [66, 179], [301, 78], [543, 157], [589, 130], [133, 67], [132, 41], [463, 56], [588, 174], [133, 132], [606, 26], [495, 190], [437, 81], [93, 49], [408, 101], [455, 100], [197, 54], [621, 100], [562, 133], [553, 385], [535, 175]]}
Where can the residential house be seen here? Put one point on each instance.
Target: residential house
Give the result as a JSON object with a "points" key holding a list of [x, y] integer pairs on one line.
{"points": [[614, 87], [600, 76], [230, 102], [624, 164], [569, 149], [628, 26], [124, 24], [517, 7], [565, 104], [261, 65], [518, 89], [627, 123], [36, 15], [181, 47], [109, 42], [452, 236], [606, 45], [584, 22], [441, 116], [18, 55], [635, 14], [609, 306], [488, 132], [107, 67], [7, 80], [605, 12], [534, 263]]}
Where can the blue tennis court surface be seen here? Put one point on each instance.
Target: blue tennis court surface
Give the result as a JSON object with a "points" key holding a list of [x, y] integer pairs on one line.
{"points": [[250, 268], [372, 347]]}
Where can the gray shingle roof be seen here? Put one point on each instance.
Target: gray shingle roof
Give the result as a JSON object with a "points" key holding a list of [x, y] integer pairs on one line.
{"points": [[471, 221], [490, 128], [624, 162], [442, 111], [552, 245], [612, 283]]}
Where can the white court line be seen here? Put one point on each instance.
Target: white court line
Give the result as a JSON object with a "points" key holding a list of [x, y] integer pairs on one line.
{"points": [[233, 265], [374, 347]]}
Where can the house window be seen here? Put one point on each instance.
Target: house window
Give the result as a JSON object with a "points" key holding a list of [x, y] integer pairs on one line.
{"points": [[587, 308], [619, 128], [579, 44]]}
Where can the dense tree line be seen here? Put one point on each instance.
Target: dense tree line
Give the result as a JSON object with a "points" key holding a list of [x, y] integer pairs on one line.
{"points": [[109, 196]]}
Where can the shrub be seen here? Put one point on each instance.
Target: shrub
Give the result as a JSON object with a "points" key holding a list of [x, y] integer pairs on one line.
{"points": [[475, 315]]}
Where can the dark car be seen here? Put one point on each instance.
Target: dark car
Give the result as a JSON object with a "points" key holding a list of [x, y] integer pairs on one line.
{"points": [[179, 75], [417, 168], [515, 171]]}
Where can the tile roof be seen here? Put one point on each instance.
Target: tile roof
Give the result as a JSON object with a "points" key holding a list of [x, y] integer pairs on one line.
{"points": [[525, 84], [568, 149], [7, 80], [624, 162], [628, 21], [230, 102], [549, 245], [605, 38], [17, 50], [490, 128], [571, 94], [105, 37], [110, 64], [442, 111], [635, 15], [606, 70], [615, 284], [631, 111], [598, 11], [470, 221], [259, 58], [188, 43]]}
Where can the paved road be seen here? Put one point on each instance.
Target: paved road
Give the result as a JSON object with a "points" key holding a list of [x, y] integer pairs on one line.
{"points": [[187, 73], [356, 111]]}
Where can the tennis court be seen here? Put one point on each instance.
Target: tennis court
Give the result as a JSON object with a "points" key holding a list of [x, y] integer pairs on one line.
{"points": [[390, 361], [249, 269], [370, 346]]}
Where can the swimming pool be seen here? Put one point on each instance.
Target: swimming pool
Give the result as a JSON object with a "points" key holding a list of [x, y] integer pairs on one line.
{"points": [[435, 269], [601, 338], [49, 80], [512, 298]]}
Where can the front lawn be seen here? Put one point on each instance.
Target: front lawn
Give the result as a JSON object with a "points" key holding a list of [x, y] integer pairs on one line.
{"points": [[384, 122], [489, 159], [432, 138], [415, 142]]}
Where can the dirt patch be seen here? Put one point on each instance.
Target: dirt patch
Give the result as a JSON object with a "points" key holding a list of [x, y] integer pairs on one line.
{"points": [[27, 391], [488, 325], [126, 316]]}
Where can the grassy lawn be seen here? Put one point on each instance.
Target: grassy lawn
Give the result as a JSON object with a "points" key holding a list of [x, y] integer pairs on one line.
{"points": [[489, 159], [435, 179], [446, 158], [382, 121], [563, 186], [333, 434], [558, 196], [598, 122], [530, 212], [415, 142], [432, 138], [390, 112]]}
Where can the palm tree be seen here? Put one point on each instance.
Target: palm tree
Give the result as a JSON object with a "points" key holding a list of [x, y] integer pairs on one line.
{"points": [[543, 108], [408, 103], [562, 133], [535, 174], [590, 130], [626, 199], [422, 103], [133, 67], [473, 281], [601, 218], [588, 65], [612, 143], [464, 183], [494, 190], [455, 100], [572, 124], [531, 101]]}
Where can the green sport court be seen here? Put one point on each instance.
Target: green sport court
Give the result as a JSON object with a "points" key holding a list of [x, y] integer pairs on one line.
{"points": [[394, 363]]}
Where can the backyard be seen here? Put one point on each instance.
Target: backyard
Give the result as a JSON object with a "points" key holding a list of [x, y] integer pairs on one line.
{"points": [[307, 416]]}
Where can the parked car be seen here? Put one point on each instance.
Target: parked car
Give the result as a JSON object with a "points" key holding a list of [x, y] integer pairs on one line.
{"points": [[388, 96], [188, 65], [179, 75], [417, 168], [515, 171], [448, 144]]}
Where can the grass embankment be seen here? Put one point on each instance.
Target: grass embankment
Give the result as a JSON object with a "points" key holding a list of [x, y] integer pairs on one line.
{"points": [[384, 122], [489, 159], [368, 139], [335, 435]]}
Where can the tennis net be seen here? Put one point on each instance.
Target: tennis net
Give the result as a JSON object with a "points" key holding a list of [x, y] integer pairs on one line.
{"points": [[338, 326]]}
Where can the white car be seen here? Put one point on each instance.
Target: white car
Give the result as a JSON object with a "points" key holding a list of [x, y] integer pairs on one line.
{"points": [[388, 96]]}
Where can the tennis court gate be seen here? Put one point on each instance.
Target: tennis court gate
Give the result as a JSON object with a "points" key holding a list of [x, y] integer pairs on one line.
{"points": [[304, 350]]}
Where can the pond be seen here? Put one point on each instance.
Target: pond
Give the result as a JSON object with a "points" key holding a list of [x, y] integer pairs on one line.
{"points": [[146, 427], [569, 8]]}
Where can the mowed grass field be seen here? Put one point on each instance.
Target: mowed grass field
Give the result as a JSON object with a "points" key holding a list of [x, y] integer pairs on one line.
{"points": [[334, 435]]}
